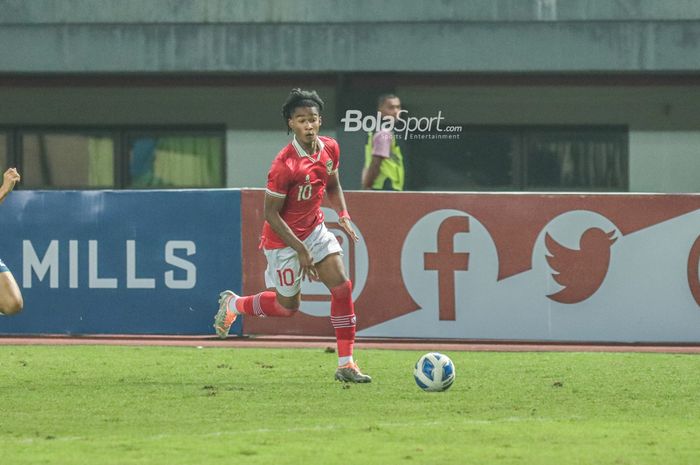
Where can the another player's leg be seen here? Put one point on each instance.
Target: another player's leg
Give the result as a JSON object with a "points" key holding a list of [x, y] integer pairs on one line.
{"points": [[11, 301], [332, 273]]}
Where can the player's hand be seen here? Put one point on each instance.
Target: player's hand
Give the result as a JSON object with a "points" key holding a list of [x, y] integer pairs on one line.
{"points": [[347, 226], [10, 178], [306, 263]]}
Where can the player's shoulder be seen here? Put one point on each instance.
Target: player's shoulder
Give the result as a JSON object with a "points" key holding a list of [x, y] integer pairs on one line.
{"points": [[288, 153], [285, 159], [328, 141], [330, 144]]}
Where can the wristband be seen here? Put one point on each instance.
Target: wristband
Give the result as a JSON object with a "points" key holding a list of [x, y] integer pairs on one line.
{"points": [[344, 214]]}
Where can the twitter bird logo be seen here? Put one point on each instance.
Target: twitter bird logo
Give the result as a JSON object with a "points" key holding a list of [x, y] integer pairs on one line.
{"points": [[580, 272]]}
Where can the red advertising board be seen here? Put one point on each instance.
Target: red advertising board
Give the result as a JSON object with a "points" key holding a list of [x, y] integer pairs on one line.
{"points": [[505, 266]]}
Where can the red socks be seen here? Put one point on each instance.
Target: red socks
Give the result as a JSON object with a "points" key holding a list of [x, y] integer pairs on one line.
{"points": [[342, 313], [262, 305], [343, 318]]}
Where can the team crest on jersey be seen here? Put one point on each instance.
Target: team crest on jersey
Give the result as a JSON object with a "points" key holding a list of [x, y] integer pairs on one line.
{"points": [[308, 178], [329, 166]]}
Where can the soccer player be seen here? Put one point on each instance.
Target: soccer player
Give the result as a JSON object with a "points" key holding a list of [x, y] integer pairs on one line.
{"points": [[295, 240], [10, 296]]}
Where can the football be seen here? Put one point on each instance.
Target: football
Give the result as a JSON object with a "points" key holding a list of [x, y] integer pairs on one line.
{"points": [[434, 372]]}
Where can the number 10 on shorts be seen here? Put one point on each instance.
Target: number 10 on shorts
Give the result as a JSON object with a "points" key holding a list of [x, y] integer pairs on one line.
{"points": [[285, 277]]}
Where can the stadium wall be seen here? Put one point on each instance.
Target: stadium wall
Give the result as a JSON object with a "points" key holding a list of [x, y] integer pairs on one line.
{"points": [[173, 36], [559, 267], [535, 267], [120, 262]]}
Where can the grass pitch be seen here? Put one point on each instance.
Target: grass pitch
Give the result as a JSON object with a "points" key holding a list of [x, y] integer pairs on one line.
{"points": [[154, 405]]}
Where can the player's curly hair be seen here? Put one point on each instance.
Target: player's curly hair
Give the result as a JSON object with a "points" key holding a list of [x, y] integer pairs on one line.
{"points": [[300, 98]]}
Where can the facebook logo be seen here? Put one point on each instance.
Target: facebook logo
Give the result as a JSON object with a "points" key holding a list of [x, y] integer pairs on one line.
{"points": [[448, 262]]}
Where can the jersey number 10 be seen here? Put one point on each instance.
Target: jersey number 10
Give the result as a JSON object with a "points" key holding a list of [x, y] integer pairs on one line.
{"points": [[304, 192]]}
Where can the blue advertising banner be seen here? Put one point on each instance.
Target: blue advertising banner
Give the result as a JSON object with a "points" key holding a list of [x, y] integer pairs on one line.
{"points": [[121, 262]]}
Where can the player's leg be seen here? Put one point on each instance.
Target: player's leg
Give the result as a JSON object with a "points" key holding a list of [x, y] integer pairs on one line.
{"points": [[11, 301], [282, 274], [332, 273], [266, 303]]}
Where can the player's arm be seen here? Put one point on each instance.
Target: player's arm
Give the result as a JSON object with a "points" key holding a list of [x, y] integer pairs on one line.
{"points": [[9, 179], [371, 173], [337, 201], [273, 207]]}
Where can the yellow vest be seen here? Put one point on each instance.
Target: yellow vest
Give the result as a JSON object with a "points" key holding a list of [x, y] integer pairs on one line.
{"points": [[391, 168]]}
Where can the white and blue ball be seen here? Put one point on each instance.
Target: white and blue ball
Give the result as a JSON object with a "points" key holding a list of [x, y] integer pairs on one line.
{"points": [[434, 372]]}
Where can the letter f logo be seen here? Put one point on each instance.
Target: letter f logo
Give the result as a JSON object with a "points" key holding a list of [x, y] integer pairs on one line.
{"points": [[445, 261]]}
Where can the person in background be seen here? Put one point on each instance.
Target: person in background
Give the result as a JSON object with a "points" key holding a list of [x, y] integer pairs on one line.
{"points": [[384, 165]]}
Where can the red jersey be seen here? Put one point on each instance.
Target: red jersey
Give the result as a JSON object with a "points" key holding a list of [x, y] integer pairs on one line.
{"points": [[301, 180]]}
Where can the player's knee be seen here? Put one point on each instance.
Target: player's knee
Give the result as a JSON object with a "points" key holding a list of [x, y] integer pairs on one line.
{"points": [[287, 307], [12, 306], [342, 291]]}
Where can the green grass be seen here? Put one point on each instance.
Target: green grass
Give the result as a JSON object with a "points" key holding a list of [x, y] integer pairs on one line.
{"points": [[153, 405]]}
